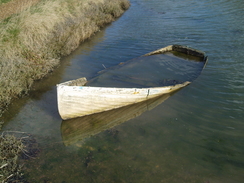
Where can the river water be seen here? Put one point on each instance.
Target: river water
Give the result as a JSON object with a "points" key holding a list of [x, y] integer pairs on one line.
{"points": [[196, 135]]}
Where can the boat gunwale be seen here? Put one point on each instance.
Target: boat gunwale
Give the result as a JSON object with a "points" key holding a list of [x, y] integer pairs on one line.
{"points": [[183, 49], [118, 88]]}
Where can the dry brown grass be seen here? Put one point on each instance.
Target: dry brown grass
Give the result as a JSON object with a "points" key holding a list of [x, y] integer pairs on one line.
{"points": [[14, 7], [32, 42]]}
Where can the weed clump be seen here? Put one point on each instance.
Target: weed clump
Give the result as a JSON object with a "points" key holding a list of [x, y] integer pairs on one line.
{"points": [[10, 149]]}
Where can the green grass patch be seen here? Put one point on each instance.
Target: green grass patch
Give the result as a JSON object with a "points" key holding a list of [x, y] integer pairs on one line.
{"points": [[4, 1]]}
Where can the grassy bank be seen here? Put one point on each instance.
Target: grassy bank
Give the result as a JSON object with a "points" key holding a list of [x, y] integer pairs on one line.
{"points": [[33, 41]]}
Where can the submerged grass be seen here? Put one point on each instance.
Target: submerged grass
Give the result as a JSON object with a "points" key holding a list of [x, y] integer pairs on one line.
{"points": [[32, 41], [10, 149]]}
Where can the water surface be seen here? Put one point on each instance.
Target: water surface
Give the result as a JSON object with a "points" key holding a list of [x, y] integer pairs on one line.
{"points": [[196, 135], [150, 71]]}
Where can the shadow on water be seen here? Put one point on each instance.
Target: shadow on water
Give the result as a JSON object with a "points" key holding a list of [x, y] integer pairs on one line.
{"points": [[79, 129]]}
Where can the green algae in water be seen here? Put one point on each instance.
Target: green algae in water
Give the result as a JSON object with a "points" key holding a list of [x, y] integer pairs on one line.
{"points": [[151, 71]]}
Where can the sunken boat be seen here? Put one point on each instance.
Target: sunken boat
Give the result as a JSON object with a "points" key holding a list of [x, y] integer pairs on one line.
{"points": [[154, 74]]}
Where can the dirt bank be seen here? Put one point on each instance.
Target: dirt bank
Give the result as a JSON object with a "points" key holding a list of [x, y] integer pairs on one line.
{"points": [[33, 40]]}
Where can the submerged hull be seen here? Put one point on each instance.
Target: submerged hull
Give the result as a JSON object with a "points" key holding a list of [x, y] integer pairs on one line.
{"points": [[76, 100], [79, 129]]}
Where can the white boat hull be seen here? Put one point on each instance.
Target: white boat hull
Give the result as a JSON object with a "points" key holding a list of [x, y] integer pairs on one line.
{"points": [[77, 101]]}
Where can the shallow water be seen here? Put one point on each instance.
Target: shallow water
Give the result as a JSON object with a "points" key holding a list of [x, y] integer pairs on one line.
{"points": [[150, 71], [196, 135]]}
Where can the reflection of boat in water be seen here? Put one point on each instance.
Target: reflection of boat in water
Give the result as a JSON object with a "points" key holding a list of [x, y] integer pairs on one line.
{"points": [[78, 129], [154, 74]]}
